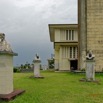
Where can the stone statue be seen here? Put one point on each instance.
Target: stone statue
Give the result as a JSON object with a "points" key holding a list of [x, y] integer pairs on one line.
{"points": [[4, 46], [37, 57], [2, 37], [37, 66], [90, 55], [90, 66]]}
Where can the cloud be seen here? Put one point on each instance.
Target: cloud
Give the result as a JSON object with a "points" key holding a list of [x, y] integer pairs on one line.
{"points": [[25, 23]]}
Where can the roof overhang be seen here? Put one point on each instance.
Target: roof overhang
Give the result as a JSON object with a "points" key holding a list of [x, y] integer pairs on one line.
{"points": [[52, 28]]}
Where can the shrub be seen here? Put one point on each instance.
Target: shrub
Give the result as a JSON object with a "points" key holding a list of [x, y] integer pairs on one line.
{"points": [[15, 70]]}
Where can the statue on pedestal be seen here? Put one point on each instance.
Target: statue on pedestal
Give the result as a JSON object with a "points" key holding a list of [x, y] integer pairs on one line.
{"points": [[90, 55], [90, 66], [37, 64], [37, 57], [7, 91], [4, 46]]}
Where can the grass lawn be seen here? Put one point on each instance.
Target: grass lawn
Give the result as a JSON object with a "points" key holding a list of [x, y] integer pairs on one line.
{"points": [[57, 88]]}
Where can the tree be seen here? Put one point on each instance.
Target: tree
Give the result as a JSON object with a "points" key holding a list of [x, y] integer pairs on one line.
{"points": [[51, 64]]}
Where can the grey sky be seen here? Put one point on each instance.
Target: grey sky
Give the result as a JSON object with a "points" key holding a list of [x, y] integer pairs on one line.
{"points": [[25, 23]]}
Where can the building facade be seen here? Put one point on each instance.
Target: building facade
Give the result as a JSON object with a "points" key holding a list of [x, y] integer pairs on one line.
{"points": [[65, 40], [71, 42], [91, 31]]}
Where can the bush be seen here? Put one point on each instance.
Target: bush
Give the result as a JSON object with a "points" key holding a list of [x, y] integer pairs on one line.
{"points": [[15, 70]]}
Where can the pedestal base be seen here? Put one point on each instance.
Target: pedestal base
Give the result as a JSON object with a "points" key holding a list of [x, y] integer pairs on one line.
{"points": [[38, 77], [90, 70], [85, 80], [10, 96]]}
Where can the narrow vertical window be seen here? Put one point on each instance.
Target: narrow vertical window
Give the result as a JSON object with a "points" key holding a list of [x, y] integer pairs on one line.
{"points": [[69, 34], [66, 34], [72, 34], [70, 52], [63, 51], [74, 51], [61, 34], [77, 52]]}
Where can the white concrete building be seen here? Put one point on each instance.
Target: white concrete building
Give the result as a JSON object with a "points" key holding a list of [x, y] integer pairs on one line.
{"points": [[65, 40]]}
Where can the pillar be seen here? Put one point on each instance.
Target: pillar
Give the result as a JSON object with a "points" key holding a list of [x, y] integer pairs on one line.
{"points": [[6, 72]]}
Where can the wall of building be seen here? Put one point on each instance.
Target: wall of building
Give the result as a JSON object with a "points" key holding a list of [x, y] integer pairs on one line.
{"points": [[56, 52], [94, 22], [63, 61], [82, 33], [57, 35], [60, 35]]}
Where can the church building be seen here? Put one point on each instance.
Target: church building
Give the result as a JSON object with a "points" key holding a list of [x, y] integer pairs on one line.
{"points": [[65, 39], [72, 41]]}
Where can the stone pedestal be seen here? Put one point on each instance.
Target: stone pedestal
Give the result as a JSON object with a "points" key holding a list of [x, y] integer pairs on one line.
{"points": [[37, 68], [6, 72], [37, 62], [7, 91], [90, 70]]}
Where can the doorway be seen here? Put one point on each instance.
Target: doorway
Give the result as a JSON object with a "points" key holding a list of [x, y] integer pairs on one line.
{"points": [[74, 64]]}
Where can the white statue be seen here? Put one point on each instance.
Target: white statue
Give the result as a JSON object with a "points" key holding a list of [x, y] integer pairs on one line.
{"points": [[4, 46], [90, 55], [37, 57]]}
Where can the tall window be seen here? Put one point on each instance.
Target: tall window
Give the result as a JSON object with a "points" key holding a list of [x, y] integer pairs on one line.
{"points": [[72, 35], [73, 52], [69, 52], [68, 35]]}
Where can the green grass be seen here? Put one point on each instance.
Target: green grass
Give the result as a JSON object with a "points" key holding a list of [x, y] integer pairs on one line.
{"points": [[57, 88]]}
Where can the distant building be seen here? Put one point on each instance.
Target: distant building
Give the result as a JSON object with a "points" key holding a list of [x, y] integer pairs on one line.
{"points": [[65, 39]]}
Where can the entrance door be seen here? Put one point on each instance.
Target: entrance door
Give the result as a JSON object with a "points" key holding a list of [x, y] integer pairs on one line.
{"points": [[74, 64]]}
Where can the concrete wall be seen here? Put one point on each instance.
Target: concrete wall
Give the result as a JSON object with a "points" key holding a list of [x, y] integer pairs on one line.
{"points": [[56, 52], [91, 31], [65, 64], [60, 35], [82, 33], [95, 30], [60, 62], [57, 35]]}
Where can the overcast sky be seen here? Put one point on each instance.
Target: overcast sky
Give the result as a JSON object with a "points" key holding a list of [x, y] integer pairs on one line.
{"points": [[25, 24]]}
